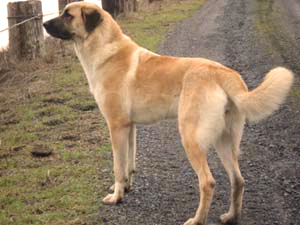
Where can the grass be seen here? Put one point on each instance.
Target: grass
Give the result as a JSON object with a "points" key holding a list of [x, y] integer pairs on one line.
{"points": [[62, 187], [50, 108], [264, 23], [149, 30], [267, 23]]}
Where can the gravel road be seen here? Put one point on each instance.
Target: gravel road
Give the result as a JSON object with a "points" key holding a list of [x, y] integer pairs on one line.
{"points": [[166, 188]]}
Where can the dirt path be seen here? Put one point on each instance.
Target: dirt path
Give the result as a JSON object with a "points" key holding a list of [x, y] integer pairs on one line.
{"points": [[166, 188]]}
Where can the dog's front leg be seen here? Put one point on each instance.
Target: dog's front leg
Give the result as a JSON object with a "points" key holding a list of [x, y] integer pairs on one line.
{"points": [[131, 155], [131, 166], [119, 138]]}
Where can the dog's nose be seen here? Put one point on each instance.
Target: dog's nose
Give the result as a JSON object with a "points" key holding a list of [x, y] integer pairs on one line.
{"points": [[46, 24]]}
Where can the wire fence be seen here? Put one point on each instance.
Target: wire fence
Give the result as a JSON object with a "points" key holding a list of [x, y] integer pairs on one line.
{"points": [[99, 2], [4, 32], [25, 21]]}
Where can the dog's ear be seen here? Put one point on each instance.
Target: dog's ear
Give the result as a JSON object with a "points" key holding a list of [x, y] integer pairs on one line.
{"points": [[91, 18]]}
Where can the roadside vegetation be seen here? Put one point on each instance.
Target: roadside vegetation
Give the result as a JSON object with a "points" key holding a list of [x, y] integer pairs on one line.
{"points": [[272, 27], [55, 154]]}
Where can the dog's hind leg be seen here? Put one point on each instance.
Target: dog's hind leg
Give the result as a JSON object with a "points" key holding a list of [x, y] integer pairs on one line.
{"points": [[201, 120], [227, 147], [198, 160]]}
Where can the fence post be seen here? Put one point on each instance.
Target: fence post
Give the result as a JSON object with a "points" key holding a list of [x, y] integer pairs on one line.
{"points": [[26, 40]]}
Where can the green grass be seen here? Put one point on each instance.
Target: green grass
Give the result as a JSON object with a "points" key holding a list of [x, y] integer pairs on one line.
{"points": [[149, 30], [48, 197], [55, 111], [60, 188], [264, 23]]}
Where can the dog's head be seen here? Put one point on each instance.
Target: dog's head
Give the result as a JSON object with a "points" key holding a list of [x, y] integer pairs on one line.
{"points": [[78, 20]]}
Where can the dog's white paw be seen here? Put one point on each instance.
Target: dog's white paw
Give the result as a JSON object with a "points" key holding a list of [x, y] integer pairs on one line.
{"points": [[228, 218], [127, 188], [192, 221], [112, 199], [112, 188]]}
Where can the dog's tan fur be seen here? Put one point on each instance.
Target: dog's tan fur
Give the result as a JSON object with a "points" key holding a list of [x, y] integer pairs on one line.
{"points": [[133, 85]]}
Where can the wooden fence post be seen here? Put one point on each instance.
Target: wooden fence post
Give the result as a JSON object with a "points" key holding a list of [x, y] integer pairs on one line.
{"points": [[26, 41]]}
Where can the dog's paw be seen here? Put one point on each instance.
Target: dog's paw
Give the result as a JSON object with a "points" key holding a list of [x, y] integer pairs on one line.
{"points": [[112, 199], [127, 188], [112, 188], [229, 218], [192, 221]]}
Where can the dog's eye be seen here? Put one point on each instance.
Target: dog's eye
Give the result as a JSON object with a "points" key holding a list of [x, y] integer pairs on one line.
{"points": [[67, 15]]}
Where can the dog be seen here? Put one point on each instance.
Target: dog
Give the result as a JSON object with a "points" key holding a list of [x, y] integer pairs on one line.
{"points": [[132, 85]]}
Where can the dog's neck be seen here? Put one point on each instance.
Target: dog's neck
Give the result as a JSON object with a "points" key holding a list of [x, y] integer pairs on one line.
{"points": [[88, 50], [105, 39]]}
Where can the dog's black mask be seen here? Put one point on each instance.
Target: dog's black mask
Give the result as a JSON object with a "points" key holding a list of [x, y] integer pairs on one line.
{"points": [[56, 28]]}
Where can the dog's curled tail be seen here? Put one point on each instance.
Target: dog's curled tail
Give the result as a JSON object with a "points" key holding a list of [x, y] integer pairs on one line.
{"points": [[267, 97]]}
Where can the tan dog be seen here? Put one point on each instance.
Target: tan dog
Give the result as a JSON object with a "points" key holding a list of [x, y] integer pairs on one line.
{"points": [[132, 85]]}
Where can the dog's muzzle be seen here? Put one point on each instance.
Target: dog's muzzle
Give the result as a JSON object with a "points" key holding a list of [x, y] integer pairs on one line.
{"points": [[56, 28]]}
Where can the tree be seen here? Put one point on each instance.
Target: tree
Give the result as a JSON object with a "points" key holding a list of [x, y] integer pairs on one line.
{"points": [[116, 7]]}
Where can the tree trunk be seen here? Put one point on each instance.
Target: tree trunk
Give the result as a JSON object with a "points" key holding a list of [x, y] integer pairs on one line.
{"points": [[116, 7]]}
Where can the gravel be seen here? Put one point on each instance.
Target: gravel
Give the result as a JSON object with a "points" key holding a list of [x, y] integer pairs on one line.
{"points": [[166, 188]]}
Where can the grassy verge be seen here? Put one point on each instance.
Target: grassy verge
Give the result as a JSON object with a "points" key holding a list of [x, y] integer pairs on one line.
{"points": [[55, 160], [149, 29], [265, 25], [55, 116], [270, 23]]}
